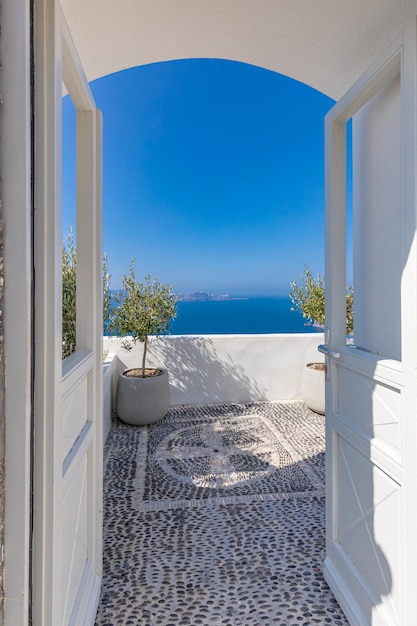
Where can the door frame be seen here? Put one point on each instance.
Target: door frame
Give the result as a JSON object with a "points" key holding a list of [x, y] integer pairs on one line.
{"points": [[17, 208]]}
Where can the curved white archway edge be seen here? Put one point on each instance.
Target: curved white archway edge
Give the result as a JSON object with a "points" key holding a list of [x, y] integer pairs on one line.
{"points": [[324, 44]]}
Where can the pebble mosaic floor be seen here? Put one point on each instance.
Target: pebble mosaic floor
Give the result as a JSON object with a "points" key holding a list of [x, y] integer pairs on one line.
{"points": [[215, 516]]}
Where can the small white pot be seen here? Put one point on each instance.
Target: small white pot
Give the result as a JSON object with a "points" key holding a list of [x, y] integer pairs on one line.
{"points": [[142, 401], [313, 387]]}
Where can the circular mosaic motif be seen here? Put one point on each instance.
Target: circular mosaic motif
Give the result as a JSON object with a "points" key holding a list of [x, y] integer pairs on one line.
{"points": [[216, 455]]}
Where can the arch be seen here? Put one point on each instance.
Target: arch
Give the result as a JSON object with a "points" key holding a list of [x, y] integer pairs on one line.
{"points": [[312, 42]]}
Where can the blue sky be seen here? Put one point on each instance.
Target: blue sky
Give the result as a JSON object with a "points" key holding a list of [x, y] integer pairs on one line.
{"points": [[213, 175]]}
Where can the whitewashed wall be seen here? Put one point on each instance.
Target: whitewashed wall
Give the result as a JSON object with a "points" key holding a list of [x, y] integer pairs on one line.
{"points": [[221, 368], [107, 396]]}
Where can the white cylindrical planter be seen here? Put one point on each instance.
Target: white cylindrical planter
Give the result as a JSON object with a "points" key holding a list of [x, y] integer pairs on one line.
{"points": [[142, 401], [313, 387]]}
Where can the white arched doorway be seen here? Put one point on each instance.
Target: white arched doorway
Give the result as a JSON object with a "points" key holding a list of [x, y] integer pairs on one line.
{"points": [[328, 50], [367, 590]]}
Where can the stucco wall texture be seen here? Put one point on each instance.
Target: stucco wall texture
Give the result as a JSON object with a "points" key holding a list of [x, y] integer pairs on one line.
{"points": [[2, 407], [2, 421]]}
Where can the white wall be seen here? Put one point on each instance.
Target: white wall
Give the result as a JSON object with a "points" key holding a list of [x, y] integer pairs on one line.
{"points": [[224, 368], [107, 396]]}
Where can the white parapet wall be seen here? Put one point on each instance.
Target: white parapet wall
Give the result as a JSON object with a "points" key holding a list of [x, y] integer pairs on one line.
{"points": [[220, 368], [108, 402]]}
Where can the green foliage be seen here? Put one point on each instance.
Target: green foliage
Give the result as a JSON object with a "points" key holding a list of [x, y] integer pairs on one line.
{"points": [[69, 295], [144, 309], [308, 299], [106, 296], [349, 311]]}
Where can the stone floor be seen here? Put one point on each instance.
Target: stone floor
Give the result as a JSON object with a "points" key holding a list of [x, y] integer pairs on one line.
{"points": [[215, 516]]}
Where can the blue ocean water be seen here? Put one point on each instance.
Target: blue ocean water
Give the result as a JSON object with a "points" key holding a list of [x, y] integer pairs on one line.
{"points": [[244, 316]]}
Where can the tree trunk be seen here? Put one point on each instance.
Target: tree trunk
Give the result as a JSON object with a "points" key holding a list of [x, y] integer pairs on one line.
{"points": [[145, 347]]}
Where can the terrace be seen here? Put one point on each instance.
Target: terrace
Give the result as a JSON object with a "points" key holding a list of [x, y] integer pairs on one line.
{"points": [[215, 515], [218, 368]]}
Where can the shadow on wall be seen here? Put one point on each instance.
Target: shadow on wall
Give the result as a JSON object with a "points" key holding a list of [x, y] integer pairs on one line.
{"points": [[198, 374]]}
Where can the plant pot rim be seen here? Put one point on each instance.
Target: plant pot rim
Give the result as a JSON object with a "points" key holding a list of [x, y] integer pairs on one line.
{"points": [[318, 366], [160, 371]]}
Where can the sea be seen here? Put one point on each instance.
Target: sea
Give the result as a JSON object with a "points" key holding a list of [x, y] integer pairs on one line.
{"points": [[246, 315]]}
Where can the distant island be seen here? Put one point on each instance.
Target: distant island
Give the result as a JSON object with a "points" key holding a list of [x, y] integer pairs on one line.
{"points": [[201, 296]]}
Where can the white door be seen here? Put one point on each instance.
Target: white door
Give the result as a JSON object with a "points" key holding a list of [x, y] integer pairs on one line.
{"points": [[67, 503], [371, 391]]}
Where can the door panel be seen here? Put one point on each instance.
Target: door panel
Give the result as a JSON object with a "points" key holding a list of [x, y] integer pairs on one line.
{"points": [[67, 543], [74, 509], [78, 519], [74, 415], [371, 386], [371, 547], [382, 421]]}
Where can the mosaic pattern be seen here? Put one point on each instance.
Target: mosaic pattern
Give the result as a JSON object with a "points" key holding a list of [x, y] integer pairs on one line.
{"points": [[240, 455], [215, 516]]}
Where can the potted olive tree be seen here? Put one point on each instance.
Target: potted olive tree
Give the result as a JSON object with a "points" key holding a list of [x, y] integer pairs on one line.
{"points": [[308, 299], [143, 311]]}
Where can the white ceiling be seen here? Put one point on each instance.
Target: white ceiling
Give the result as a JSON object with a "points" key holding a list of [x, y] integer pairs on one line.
{"points": [[324, 43]]}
